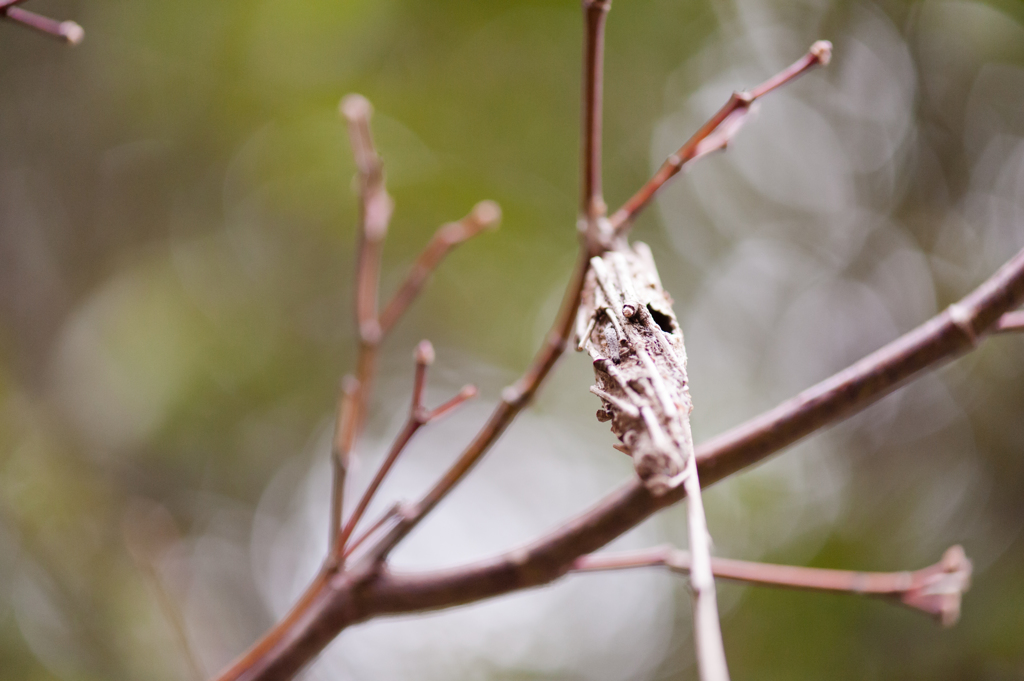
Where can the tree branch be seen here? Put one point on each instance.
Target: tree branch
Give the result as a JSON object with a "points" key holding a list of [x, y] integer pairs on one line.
{"points": [[935, 590], [419, 416], [716, 133], [485, 215]]}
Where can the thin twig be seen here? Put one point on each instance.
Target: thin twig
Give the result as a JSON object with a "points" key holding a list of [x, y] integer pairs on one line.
{"points": [[935, 590], [707, 629], [418, 417], [68, 31], [485, 215], [351, 546], [341, 449], [1010, 322], [592, 205], [716, 133], [375, 213]]}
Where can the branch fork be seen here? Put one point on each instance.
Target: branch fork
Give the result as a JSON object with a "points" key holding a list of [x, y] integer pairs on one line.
{"points": [[372, 326]]}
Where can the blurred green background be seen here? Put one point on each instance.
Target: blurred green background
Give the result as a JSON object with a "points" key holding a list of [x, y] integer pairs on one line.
{"points": [[176, 241]]}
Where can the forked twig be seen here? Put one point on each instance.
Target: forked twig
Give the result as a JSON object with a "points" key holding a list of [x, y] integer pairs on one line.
{"points": [[68, 31], [419, 416], [716, 133], [935, 590], [375, 213]]}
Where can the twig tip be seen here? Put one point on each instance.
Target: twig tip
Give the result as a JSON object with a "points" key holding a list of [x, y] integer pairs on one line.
{"points": [[487, 214], [939, 589], [424, 353], [355, 107], [72, 32], [822, 51]]}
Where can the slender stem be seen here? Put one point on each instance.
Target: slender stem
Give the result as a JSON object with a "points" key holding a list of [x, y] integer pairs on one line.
{"points": [[950, 576], [592, 204], [468, 392], [716, 133], [341, 448], [68, 31], [412, 425], [375, 212], [424, 357], [1010, 322], [707, 629], [485, 215]]}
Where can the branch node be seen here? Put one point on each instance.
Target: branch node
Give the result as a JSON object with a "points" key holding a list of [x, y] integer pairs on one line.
{"points": [[963, 320]]}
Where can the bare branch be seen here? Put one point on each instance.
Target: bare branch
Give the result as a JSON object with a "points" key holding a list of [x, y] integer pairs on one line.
{"points": [[935, 590], [592, 206], [68, 31], [418, 417], [485, 215], [716, 133], [375, 213]]}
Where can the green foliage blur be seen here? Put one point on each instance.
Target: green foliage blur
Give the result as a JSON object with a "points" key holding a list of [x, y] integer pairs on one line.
{"points": [[176, 248]]}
